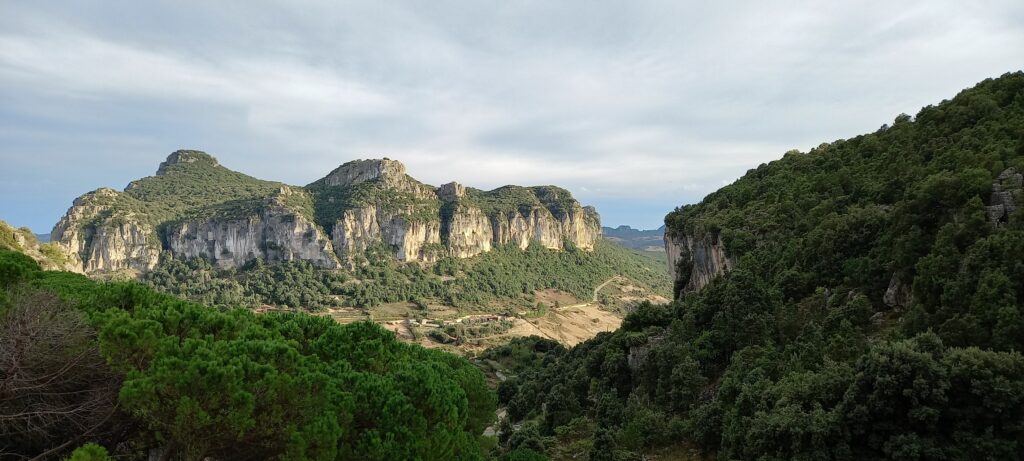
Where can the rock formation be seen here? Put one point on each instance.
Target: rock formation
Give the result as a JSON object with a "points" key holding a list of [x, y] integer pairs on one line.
{"points": [[898, 294], [195, 208], [694, 260], [1006, 194], [100, 234], [274, 233]]}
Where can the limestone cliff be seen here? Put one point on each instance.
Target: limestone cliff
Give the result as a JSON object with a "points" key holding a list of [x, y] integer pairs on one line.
{"points": [[694, 261], [101, 233], [376, 201], [273, 232], [539, 225], [193, 207], [370, 202], [410, 239], [467, 231]]}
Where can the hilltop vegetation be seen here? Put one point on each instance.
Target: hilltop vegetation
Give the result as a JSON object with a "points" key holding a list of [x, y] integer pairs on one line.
{"points": [[798, 352], [118, 368], [47, 255], [196, 185]]}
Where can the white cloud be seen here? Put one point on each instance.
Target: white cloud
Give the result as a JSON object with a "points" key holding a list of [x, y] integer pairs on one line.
{"points": [[655, 102]]}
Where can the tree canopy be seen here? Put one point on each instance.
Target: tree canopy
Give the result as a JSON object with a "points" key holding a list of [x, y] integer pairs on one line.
{"points": [[796, 353], [200, 382]]}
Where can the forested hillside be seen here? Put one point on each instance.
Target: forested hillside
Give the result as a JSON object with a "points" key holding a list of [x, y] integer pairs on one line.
{"points": [[873, 308], [505, 275], [127, 373]]}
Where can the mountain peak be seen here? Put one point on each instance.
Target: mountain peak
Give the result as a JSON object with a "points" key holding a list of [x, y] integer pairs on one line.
{"points": [[357, 171], [185, 156]]}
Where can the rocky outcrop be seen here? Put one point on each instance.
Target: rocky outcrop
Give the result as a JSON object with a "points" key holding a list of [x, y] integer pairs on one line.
{"points": [[203, 210], [899, 293], [180, 157], [118, 245], [1006, 195], [638, 353], [275, 233], [385, 173], [360, 228], [582, 226], [519, 228], [466, 231], [451, 192], [49, 256], [539, 225], [99, 236], [695, 261], [360, 171]]}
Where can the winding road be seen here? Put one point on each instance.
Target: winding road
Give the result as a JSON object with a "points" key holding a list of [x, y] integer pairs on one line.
{"points": [[593, 299]]}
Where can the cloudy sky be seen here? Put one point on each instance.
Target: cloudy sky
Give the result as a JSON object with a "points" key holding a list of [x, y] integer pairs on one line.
{"points": [[636, 107]]}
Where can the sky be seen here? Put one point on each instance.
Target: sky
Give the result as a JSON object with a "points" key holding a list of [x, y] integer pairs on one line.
{"points": [[636, 107]]}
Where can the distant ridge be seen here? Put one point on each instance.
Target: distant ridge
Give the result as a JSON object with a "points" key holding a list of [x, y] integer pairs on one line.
{"points": [[645, 240]]}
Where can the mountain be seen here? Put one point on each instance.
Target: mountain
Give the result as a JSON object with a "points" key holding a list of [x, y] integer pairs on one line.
{"points": [[644, 240], [195, 208], [863, 300]]}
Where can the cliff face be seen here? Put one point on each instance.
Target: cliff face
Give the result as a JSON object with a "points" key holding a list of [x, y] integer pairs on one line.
{"points": [[274, 233], [99, 235], [467, 229], [360, 228], [541, 226], [196, 208], [695, 261], [467, 232]]}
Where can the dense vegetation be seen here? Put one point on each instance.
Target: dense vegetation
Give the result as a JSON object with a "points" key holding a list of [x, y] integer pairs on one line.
{"points": [[505, 274], [180, 188], [411, 199], [119, 369], [795, 353], [191, 188], [518, 199]]}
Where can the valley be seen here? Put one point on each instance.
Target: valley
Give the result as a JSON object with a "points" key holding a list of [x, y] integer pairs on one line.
{"points": [[512, 231], [366, 242], [562, 318]]}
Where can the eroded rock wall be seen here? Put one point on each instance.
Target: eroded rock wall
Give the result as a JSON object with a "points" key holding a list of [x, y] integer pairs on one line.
{"points": [[695, 261], [275, 234], [98, 237], [410, 238]]}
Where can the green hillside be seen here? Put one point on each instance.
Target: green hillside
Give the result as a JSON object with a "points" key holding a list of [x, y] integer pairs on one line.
{"points": [[795, 353], [127, 372], [195, 185], [505, 276]]}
